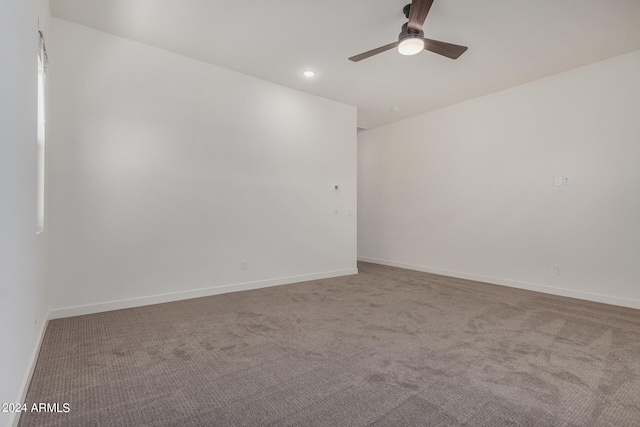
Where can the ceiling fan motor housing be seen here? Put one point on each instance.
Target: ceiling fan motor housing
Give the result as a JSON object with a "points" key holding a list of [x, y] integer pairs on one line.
{"points": [[410, 42], [408, 33]]}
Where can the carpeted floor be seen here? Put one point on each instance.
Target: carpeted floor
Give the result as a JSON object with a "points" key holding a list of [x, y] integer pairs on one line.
{"points": [[387, 347]]}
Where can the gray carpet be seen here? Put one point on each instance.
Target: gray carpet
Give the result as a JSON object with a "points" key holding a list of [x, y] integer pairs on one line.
{"points": [[387, 347]]}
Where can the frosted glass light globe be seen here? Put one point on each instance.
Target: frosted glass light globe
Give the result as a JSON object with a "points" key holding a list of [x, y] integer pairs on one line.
{"points": [[411, 45]]}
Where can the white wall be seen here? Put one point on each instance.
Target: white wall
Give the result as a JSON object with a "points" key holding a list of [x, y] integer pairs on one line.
{"points": [[475, 181], [166, 172], [22, 254]]}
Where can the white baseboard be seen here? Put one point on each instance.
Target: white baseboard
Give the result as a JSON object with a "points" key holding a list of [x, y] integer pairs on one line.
{"points": [[22, 395], [606, 299], [205, 292]]}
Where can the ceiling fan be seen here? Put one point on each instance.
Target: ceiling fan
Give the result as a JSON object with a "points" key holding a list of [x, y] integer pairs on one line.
{"points": [[411, 39]]}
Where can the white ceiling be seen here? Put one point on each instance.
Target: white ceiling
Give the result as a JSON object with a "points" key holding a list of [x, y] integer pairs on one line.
{"points": [[510, 42]]}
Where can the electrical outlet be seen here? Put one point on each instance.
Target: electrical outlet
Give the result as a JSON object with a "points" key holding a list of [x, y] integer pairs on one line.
{"points": [[440, 255], [243, 264], [566, 180], [557, 270]]}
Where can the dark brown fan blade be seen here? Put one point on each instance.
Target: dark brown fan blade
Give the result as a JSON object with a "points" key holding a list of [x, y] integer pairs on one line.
{"points": [[418, 13], [449, 50], [373, 52]]}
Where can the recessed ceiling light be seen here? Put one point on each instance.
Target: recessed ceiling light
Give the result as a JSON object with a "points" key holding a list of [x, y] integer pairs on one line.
{"points": [[394, 109], [309, 73]]}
